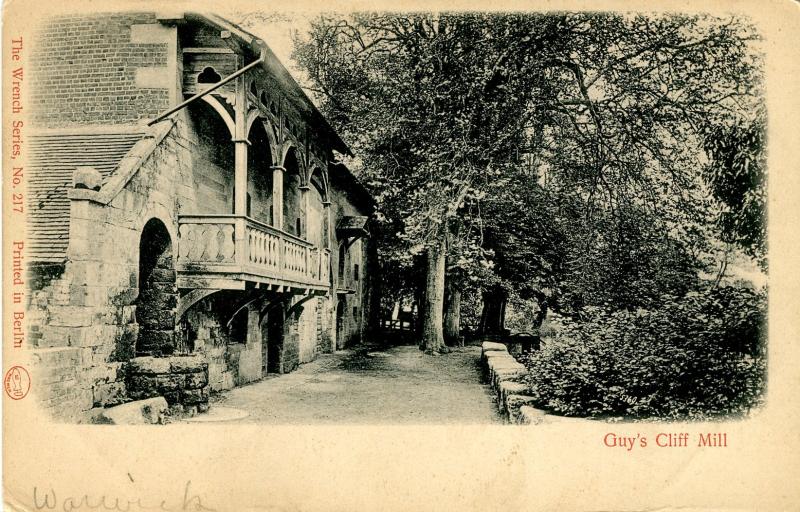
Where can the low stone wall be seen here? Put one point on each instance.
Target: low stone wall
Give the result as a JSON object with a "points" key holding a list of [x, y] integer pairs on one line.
{"points": [[181, 380], [506, 377]]}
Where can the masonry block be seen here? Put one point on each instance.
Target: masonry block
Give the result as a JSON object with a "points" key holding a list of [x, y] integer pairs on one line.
{"points": [[194, 396], [196, 380], [507, 388], [513, 403], [141, 412], [188, 364], [150, 365], [528, 415], [71, 316], [109, 394]]}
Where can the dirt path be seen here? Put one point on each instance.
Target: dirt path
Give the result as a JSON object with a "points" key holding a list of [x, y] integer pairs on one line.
{"points": [[399, 385]]}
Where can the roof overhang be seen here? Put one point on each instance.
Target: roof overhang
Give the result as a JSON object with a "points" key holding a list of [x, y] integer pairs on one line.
{"points": [[273, 65], [352, 226]]}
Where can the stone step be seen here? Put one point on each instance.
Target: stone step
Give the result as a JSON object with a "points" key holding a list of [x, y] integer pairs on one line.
{"points": [[528, 415], [510, 388], [150, 411], [512, 405]]}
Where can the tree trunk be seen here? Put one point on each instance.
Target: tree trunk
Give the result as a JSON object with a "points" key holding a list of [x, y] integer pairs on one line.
{"points": [[452, 312], [432, 324], [541, 300], [373, 278], [493, 316], [421, 267]]}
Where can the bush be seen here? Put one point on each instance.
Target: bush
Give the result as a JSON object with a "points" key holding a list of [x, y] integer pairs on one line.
{"points": [[698, 357]]}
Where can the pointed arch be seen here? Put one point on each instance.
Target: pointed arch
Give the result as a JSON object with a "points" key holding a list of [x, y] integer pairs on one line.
{"points": [[252, 115], [288, 147], [223, 112], [293, 207], [273, 141], [322, 183]]}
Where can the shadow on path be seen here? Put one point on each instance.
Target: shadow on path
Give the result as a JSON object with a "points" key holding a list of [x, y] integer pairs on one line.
{"points": [[365, 385]]}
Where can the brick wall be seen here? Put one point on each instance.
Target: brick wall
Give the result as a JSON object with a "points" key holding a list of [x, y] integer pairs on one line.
{"points": [[84, 71]]}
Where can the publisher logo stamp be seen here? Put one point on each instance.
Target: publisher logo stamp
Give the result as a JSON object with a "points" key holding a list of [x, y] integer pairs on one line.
{"points": [[17, 382]]}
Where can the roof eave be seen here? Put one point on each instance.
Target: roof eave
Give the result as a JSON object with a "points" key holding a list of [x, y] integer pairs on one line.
{"points": [[254, 43]]}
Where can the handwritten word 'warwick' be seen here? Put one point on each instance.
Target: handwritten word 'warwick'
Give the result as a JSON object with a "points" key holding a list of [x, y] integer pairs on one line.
{"points": [[50, 501]]}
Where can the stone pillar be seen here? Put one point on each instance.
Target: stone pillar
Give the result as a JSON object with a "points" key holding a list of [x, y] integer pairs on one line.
{"points": [[277, 196]]}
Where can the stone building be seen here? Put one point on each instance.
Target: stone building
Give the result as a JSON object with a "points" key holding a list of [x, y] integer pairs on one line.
{"points": [[189, 227]]}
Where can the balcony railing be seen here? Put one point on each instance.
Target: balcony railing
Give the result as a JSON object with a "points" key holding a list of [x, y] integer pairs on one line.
{"points": [[242, 248]]}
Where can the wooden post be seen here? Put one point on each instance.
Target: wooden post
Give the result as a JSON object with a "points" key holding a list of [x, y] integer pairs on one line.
{"points": [[326, 218], [277, 196], [240, 171], [304, 200], [240, 146]]}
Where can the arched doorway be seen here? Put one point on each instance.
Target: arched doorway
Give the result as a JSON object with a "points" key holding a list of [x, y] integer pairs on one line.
{"points": [[158, 295]]}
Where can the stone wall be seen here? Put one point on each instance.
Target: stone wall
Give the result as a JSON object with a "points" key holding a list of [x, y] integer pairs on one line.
{"points": [[88, 314], [84, 322], [181, 380], [353, 329], [290, 357], [507, 377], [158, 297], [230, 362]]}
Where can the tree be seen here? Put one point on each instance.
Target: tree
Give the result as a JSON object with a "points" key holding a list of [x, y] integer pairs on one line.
{"points": [[431, 108], [613, 208], [737, 177], [553, 156]]}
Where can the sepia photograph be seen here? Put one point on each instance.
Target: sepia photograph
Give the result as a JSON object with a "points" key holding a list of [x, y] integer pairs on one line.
{"points": [[568, 207], [503, 221]]}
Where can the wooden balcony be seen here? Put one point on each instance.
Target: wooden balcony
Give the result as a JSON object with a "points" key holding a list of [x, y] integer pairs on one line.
{"points": [[227, 251]]}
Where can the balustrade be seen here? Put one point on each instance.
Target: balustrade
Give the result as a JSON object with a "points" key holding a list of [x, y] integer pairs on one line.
{"points": [[241, 245]]}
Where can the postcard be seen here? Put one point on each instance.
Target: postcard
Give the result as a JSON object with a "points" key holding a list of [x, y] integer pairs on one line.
{"points": [[412, 256]]}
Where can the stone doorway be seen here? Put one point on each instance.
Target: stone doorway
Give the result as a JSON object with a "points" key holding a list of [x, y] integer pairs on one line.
{"points": [[272, 341], [158, 294], [341, 307]]}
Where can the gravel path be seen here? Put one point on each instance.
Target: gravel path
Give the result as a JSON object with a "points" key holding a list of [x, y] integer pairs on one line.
{"points": [[399, 385]]}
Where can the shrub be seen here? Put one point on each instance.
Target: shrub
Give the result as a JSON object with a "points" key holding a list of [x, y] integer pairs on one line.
{"points": [[697, 357]]}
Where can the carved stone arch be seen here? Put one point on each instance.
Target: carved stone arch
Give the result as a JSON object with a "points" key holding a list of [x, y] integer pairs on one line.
{"points": [[186, 301], [273, 140], [287, 146], [316, 169], [157, 291], [252, 115], [223, 112], [161, 214]]}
